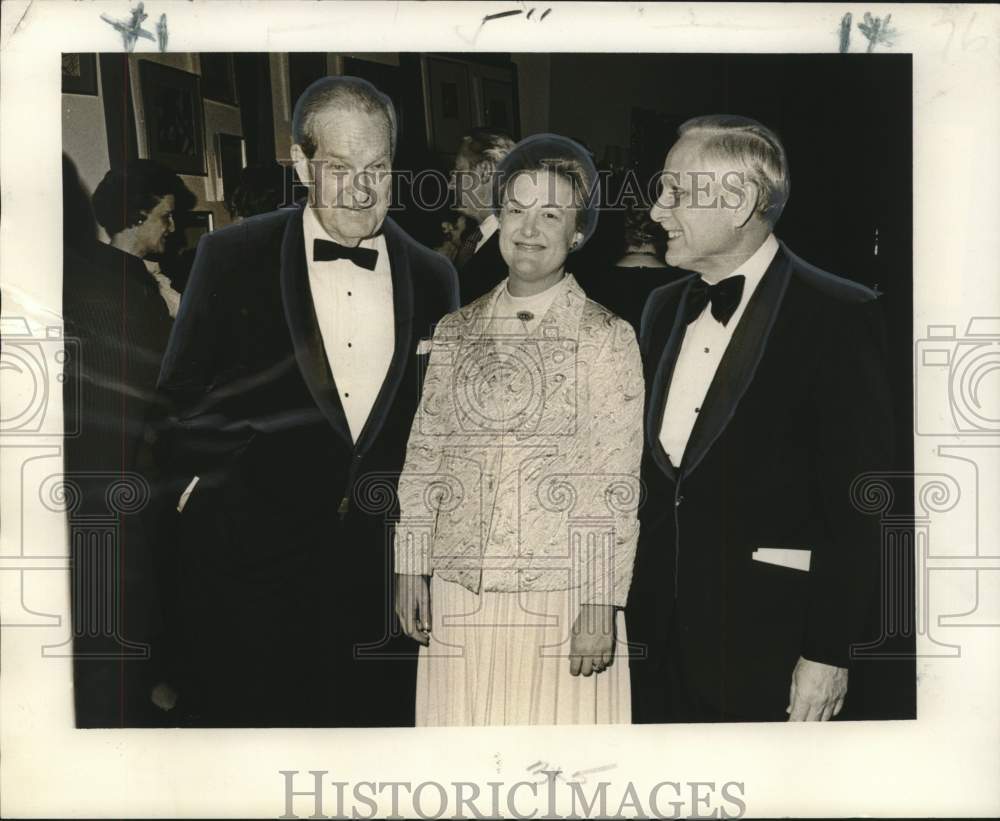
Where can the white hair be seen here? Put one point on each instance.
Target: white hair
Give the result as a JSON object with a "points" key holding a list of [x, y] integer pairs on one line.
{"points": [[753, 147]]}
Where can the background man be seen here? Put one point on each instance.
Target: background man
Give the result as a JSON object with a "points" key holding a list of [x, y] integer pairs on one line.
{"points": [[295, 361], [767, 398], [480, 266]]}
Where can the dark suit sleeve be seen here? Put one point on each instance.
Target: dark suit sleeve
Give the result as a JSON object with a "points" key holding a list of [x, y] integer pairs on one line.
{"points": [[189, 362], [854, 436]]}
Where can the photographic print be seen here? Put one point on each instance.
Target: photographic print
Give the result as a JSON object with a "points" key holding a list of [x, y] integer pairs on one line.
{"points": [[595, 396]]}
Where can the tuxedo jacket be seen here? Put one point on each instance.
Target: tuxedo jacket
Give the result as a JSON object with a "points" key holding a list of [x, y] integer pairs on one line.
{"points": [[797, 411], [483, 272], [284, 612]]}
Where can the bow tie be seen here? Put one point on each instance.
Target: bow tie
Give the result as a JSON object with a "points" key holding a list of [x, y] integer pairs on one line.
{"points": [[725, 297], [325, 250]]}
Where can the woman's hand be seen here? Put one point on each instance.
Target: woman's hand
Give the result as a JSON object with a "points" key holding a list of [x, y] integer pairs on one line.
{"points": [[413, 606], [592, 643]]}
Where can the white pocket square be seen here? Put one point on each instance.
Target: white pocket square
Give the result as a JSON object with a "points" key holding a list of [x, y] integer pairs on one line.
{"points": [[424, 347], [186, 494], [797, 559]]}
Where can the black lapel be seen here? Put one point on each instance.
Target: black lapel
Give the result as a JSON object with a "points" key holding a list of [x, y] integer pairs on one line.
{"points": [[670, 316], [300, 313], [739, 363], [402, 303]]}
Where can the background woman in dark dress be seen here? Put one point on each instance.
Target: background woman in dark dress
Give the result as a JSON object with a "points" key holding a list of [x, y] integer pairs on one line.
{"points": [[640, 269], [117, 321]]}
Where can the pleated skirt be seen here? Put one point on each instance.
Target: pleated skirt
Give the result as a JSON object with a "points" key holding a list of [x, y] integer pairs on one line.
{"points": [[503, 659]]}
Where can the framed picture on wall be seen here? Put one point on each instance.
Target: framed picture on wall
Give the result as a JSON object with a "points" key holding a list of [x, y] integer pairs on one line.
{"points": [[194, 225], [172, 112], [499, 105], [450, 114], [79, 74], [231, 159], [218, 77]]}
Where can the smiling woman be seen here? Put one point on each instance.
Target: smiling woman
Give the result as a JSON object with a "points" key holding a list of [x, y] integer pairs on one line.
{"points": [[525, 455]]}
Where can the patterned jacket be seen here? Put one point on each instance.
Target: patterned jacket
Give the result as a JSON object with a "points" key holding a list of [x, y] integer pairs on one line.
{"points": [[522, 467]]}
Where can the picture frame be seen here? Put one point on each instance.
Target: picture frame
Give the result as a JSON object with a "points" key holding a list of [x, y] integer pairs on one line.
{"points": [[173, 117], [194, 225], [230, 160], [218, 78], [499, 105], [449, 112], [79, 74]]}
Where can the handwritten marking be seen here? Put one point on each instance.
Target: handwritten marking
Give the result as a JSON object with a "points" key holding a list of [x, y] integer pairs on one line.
{"points": [[501, 14], [845, 32], [877, 31], [161, 32], [968, 43], [131, 30], [577, 777], [514, 13]]}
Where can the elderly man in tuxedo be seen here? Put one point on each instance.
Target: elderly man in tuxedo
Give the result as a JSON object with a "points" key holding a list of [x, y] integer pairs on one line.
{"points": [[766, 400], [295, 365], [478, 261]]}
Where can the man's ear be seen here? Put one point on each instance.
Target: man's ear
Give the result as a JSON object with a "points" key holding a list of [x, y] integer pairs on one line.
{"points": [[302, 166], [485, 169], [575, 242], [746, 207]]}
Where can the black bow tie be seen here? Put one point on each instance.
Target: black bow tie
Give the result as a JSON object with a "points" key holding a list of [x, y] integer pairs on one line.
{"points": [[725, 296], [325, 250]]}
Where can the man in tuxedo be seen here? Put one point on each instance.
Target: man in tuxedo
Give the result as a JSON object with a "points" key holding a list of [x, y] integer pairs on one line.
{"points": [[766, 400], [295, 365], [479, 263]]}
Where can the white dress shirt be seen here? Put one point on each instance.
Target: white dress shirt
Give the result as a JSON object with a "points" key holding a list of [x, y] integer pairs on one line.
{"points": [[356, 319], [701, 351], [487, 228]]}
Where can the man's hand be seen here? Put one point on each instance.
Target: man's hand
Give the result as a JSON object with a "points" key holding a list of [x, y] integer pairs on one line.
{"points": [[413, 606], [817, 692], [592, 641]]}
